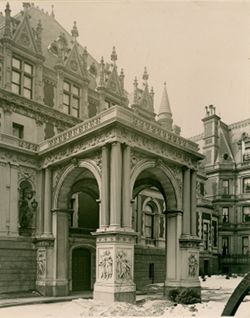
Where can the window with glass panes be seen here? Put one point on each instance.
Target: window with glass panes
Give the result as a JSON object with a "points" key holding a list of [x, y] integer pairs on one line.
{"points": [[205, 235], [22, 78], [246, 185], [245, 245], [149, 221], [225, 186], [225, 214], [71, 99], [246, 214], [225, 245]]}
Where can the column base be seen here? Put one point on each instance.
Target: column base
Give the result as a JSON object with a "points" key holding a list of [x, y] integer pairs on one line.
{"points": [[115, 293], [51, 288]]}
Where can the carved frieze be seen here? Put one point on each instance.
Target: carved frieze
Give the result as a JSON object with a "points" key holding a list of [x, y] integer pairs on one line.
{"points": [[105, 264], [17, 158], [79, 147]]}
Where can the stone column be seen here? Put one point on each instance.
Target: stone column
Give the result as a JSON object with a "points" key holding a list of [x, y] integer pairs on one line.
{"points": [[104, 213], [186, 203], [173, 255], [126, 200], [115, 185], [47, 231], [193, 204], [61, 252]]}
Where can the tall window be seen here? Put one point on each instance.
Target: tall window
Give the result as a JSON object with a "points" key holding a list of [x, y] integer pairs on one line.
{"points": [[225, 214], [205, 235], [214, 233], [71, 99], [225, 186], [22, 78], [246, 185], [225, 245], [149, 221], [246, 214], [245, 245]]}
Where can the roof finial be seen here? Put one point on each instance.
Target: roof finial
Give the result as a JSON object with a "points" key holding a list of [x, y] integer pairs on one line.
{"points": [[114, 55], [7, 27], [145, 76], [165, 113], [74, 31], [52, 14]]}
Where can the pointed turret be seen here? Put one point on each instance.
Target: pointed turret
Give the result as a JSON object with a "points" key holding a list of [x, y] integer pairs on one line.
{"points": [[7, 27], [122, 78], [165, 114]]}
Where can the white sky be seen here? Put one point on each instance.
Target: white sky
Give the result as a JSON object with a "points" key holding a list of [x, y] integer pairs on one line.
{"points": [[201, 49]]}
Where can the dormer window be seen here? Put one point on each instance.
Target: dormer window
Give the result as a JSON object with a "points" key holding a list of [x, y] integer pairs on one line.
{"points": [[22, 78], [71, 99]]}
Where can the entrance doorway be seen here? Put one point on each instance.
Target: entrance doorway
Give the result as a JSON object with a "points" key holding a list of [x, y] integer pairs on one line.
{"points": [[80, 269]]}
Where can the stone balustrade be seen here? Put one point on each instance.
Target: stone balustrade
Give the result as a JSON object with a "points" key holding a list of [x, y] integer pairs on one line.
{"points": [[126, 116], [16, 142]]}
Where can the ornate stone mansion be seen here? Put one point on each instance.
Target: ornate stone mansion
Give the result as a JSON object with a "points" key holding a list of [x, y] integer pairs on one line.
{"points": [[97, 192]]}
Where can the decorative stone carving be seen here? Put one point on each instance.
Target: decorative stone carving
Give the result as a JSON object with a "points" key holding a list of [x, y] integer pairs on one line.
{"points": [[192, 265], [26, 173], [17, 158], [106, 265], [123, 265], [41, 263]]}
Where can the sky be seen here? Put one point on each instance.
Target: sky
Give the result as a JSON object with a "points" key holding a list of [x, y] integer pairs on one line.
{"points": [[201, 49]]}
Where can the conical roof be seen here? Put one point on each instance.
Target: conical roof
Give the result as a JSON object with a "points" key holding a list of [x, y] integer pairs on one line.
{"points": [[165, 106]]}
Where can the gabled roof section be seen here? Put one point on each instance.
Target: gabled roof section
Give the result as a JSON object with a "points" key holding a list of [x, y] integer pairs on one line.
{"points": [[225, 154], [113, 83], [74, 62], [51, 31], [24, 35], [146, 101]]}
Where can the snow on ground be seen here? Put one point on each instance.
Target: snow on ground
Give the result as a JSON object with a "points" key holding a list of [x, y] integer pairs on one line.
{"points": [[215, 292]]}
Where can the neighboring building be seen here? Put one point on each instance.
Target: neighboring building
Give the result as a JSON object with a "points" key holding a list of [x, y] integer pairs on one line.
{"points": [[226, 195], [87, 176]]}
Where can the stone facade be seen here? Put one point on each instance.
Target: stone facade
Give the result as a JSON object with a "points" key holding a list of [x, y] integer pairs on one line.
{"points": [[224, 195], [91, 183]]}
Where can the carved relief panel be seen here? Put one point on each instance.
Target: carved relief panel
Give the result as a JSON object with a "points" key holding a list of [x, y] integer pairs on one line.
{"points": [[105, 264], [41, 263]]}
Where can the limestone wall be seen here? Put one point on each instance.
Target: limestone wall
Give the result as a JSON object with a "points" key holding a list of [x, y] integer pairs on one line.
{"points": [[17, 265], [143, 258]]}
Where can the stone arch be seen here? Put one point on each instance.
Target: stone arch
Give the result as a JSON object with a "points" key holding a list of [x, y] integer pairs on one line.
{"points": [[63, 188], [146, 201], [165, 179]]}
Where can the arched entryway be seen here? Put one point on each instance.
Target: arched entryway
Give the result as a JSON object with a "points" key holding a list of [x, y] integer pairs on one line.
{"points": [[153, 195], [75, 217], [81, 269]]}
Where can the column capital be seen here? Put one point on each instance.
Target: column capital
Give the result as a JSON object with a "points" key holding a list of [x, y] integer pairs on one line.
{"points": [[58, 210]]}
